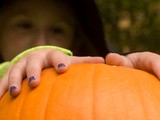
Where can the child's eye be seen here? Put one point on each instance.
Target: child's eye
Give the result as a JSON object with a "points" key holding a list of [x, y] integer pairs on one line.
{"points": [[56, 30], [24, 25]]}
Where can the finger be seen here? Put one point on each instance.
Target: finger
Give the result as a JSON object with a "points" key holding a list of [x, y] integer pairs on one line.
{"points": [[58, 60], [4, 83], [16, 76], [34, 66], [118, 60], [88, 59], [147, 61], [156, 67]]}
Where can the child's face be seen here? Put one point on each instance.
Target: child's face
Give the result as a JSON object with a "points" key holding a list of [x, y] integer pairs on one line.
{"points": [[30, 23]]}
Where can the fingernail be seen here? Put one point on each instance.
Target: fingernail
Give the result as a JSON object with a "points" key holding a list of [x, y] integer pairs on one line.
{"points": [[31, 79], [61, 65], [12, 89]]}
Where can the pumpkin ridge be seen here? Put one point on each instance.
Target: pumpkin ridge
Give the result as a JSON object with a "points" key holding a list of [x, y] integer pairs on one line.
{"points": [[96, 83], [25, 88], [39, 98], [134, 96], [141, 96], [49, 97], [148, 97], [49, 94], [93, 91], [19, 100]]}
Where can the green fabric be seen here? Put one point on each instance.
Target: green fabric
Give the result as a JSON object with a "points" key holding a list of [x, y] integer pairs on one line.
{"points": [[4, 66]]}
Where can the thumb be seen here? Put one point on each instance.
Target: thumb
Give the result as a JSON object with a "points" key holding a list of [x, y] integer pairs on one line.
{"points": [[118, 60]]}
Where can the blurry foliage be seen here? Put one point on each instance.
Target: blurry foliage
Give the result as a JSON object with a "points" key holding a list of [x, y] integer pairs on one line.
{"points": [[132, 25]]}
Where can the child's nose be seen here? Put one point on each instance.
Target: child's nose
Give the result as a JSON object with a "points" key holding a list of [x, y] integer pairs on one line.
{"points": [[40, 39]]}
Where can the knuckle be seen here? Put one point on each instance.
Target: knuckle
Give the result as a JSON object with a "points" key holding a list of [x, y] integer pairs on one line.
{"points": [[34, 56], [56, 53], [13, 81], [15, 67]]}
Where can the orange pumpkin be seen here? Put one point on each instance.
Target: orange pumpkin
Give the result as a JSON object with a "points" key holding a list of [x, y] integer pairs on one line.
{"points": [[87, 92]]}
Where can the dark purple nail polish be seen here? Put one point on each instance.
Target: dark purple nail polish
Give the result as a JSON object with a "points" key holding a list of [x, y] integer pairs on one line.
{"points": [[61, 65], [31, 79], [12, 89]]}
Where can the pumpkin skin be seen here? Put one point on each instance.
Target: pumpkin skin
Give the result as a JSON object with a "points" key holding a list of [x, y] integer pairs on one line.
{"points": [[87, 92]]}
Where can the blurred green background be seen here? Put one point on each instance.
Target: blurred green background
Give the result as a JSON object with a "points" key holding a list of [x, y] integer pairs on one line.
{"points": [[131, 25]]}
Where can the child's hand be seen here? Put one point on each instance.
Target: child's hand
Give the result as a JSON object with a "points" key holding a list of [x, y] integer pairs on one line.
{"points": [[146, 61], [32, 64]]}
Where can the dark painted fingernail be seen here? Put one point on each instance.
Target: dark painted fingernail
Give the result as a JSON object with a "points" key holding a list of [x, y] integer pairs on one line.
{"points": [[61, 65], [12, 89], [31, 79]]}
